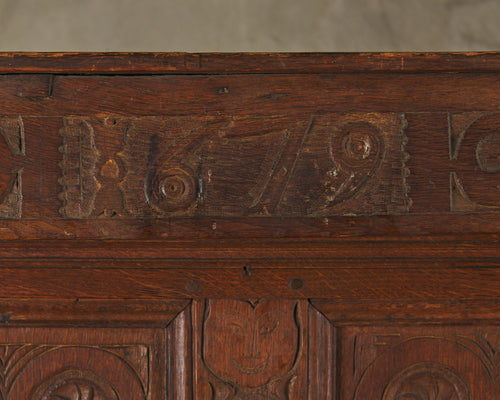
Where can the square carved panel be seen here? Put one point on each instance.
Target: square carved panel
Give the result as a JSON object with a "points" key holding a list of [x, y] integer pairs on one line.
{"points": [[420, 362], [81, 364]]}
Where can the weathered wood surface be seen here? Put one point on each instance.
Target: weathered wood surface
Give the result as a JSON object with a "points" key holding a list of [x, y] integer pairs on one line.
{"points": [[250, 226], [249, 155]]}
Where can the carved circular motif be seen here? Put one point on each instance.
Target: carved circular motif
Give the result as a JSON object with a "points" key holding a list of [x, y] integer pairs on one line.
{"points": [[427, 381], [476, 151], [356, 144], [356, 150], [75, 385], [171, 189], [488, 153]]}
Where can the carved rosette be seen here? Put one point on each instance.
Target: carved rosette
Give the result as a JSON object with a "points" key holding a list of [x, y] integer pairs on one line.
{"points": [[427, 381], [168, 190], [78, 180]]}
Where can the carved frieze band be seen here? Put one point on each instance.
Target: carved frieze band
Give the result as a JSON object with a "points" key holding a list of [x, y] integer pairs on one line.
{"points": [[321, 165], [333, 164]]}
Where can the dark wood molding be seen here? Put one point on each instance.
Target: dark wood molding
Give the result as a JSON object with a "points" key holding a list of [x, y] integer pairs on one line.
{"points": [[236, 63]]}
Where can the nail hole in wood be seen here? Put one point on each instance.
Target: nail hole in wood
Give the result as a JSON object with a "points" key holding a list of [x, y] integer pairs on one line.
{"points": [[296, 283], [192, 286]]}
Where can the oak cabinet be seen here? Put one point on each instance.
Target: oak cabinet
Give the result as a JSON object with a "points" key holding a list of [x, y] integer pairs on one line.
{"points": [[250, 226]]}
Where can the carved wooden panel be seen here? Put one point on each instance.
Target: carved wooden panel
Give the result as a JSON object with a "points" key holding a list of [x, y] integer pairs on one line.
{"points": [[12, 132], [81, 364], [106, 170], [249, 227], [269, 349], [425, 362], [220, 166], [248, 155]]}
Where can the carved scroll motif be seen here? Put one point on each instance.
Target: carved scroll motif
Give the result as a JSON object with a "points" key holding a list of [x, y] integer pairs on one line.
{"points": [[475, 155], [334, 164], [78, 180], [350, 164], [12, 130]]}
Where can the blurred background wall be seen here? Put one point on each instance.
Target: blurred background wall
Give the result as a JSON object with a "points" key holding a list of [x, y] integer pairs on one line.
{"points": [[249, 25]]}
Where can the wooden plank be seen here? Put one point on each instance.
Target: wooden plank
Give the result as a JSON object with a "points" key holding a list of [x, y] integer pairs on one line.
{"points": [[89, 312], [383, 312], [267, 282], [216, 63]]}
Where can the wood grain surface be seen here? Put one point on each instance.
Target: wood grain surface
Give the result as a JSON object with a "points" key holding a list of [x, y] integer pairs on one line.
{"points": [[249, 226], [234, 63]]}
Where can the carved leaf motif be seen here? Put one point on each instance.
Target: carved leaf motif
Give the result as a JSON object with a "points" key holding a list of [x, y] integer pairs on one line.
{"points": [[78, 180], [14, 358], [458, 125]]}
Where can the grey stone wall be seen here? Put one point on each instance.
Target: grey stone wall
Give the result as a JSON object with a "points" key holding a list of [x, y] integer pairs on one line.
{"points": [[249, 25]]}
